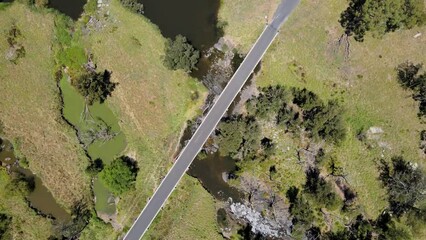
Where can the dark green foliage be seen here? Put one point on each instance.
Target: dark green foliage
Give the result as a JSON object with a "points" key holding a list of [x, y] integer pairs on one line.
{"points": [[95, 87], [306, 99], [180, 54], [5, 221], [270, 100], [301, 210], [20, 185], [381, 17], [326, 122], [405, 184], [320, 190], [95, 167], [133, 5], [81, 216], [410, 78], [239, 137], [290, 118], [120, 175], [408, 75], [360, 229], [1, 128]]}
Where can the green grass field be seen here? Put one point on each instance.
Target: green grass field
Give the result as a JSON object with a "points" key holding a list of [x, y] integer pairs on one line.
{"points": [[152, 104], [365, 83], [30, 107]]}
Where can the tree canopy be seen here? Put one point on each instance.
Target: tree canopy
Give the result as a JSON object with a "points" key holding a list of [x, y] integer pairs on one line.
{"points": [[119, 176], [410, 77], [405, 183], [95, 86], [381, 16], [180, 54]]}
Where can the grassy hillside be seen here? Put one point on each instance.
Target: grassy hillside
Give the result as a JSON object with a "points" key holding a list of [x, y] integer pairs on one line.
{"points": [[365, 82], [30, 107], [152, 104]]}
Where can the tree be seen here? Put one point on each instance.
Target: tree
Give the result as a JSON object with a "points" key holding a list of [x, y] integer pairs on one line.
{"points": [[405, 183], [320, 190], [239, 136], [409, 77], [381, 17], [119, 176], [326, 122], [95, 87], [180, 54]]}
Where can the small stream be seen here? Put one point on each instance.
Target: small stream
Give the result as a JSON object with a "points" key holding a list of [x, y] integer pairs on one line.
{"points": [[40, 198]]}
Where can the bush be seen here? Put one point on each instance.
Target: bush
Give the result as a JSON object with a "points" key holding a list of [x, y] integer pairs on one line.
{"points": [[95, 167], [119, 176], [180, 54]]}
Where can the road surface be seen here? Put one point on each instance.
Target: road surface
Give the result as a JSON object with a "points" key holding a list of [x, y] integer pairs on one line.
{"points": [[209, 123]]}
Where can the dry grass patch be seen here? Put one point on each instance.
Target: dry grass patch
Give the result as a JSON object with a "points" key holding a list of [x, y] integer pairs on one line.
{"points": [[29, 107]]}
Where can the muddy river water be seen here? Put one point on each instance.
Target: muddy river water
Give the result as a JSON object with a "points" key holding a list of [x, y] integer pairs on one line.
{"points": [[40, 198]]}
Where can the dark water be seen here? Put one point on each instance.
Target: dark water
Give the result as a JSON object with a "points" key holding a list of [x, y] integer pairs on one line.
{"points": [[71, 8], [212, 172], [40, 198], [194, 19]]}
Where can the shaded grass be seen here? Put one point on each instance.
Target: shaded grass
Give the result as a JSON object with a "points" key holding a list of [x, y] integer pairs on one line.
{"points": [[365, 84], [30, 107]]}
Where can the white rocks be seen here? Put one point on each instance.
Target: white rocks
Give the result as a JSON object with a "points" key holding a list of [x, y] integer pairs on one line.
{"points": [[258, 223]]}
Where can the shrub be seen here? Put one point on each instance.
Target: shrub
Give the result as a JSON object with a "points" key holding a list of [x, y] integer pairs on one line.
{"points": [[133, 5], [5, 221]]}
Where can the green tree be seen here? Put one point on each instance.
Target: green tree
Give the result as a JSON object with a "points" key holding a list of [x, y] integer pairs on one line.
{"points": [[320, 190], [120, 175], [326, 122], [95, 87], [239, 137], [381, 16], [405, 183], [180, 54]]}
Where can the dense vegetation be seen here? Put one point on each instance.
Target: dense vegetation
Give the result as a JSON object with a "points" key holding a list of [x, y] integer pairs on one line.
{"points": [[120, 175], [381, 17], [299, 109], [410, 77], [180, 54]]}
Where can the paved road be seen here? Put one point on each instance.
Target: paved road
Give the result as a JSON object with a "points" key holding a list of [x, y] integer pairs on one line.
{"points": [[210, 121]]}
